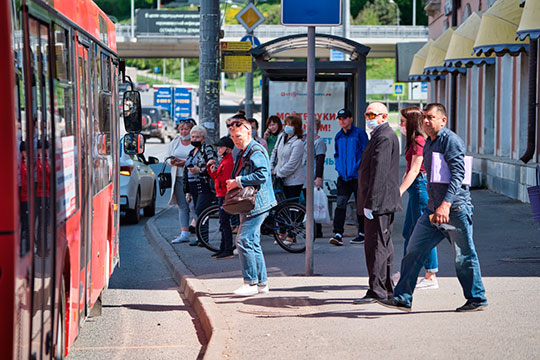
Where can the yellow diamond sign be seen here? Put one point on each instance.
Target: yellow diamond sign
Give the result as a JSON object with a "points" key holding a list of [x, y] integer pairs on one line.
{"points": [[250, 17]]}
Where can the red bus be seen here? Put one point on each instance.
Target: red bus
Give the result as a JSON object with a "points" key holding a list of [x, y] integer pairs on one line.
{"points": [[59, 220]]}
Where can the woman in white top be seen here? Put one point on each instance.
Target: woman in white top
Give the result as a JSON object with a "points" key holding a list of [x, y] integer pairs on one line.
{"points": [[289, 152], [180, 148]]}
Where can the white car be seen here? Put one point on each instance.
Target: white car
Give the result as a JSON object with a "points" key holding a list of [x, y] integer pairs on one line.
{"points": [[137, 186]]}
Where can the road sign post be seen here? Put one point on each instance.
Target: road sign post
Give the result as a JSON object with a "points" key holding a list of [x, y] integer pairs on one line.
{"points": [[310, 13]]}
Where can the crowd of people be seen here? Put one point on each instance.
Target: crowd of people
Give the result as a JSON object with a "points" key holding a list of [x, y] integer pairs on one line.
{"points": [[367, 167]]}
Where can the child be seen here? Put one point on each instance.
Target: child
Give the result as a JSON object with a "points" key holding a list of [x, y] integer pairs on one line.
{"points": [[220, 175]]}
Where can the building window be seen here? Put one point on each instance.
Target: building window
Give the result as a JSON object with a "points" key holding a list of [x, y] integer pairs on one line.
{"points": [[466, 13]]}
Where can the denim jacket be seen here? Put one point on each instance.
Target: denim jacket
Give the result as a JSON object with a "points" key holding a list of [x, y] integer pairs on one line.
{"points": [[452, 148], [257, 173]]}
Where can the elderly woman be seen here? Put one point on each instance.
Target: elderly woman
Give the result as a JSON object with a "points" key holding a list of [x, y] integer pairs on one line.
{"points": [[251, 168], [197, 185], [180, 148]]}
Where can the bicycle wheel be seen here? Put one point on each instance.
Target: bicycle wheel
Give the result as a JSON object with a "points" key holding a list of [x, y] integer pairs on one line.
{"points": [[290, 218], [207, 228]]}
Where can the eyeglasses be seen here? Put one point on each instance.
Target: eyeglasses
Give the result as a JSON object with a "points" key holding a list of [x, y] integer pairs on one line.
{"points": [[236, 124], [372, 116]]}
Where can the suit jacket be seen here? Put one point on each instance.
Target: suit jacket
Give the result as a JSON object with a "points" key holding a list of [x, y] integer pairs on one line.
{"points": [[378, 175]]}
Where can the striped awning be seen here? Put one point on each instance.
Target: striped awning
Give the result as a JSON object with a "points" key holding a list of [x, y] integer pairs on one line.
{"points": [[530, 21], [460, 50], [498, 29], [437, 53]]}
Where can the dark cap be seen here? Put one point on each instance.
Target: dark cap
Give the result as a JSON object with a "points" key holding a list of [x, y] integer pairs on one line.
{"points": [[239, 117], [225, 141], [344, 113]]}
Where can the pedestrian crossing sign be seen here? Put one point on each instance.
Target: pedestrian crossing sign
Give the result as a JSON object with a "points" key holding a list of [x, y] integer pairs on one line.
{"points": [[399, 89]]}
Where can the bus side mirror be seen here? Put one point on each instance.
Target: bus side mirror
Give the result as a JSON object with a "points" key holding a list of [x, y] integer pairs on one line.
{"points": [[133, 144], [132, 111]]}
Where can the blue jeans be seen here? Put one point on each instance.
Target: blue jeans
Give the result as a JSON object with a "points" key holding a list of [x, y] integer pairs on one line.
{"points": [[425, 237], [248, 243], [418, 198], [183, 206]]}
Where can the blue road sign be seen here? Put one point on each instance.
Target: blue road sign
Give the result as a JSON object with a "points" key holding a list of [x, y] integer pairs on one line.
{"points": [[252, 39], [399, 89], [424, 87], [182, 104], [163, 97], [336, 55], [311, 12]]}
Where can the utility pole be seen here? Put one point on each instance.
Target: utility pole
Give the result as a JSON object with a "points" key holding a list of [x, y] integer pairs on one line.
{"points": [[346, 19], [132, 18], [209, 69], [248, 107], [414, 13]]}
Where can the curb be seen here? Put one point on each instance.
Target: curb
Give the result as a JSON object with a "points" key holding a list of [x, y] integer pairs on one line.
{"points": [[192, 290]]}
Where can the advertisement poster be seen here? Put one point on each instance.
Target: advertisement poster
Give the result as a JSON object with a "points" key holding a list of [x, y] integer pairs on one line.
{"points": [[290, 97], [65, 178], [163, 97], [182, 103]]}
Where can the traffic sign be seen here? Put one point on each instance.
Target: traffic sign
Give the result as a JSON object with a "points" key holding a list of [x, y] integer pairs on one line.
{"points": [[311, 12], [250, 17], [399, 89], [252, 39], [235, 56], [336, 55], [425, 87]]}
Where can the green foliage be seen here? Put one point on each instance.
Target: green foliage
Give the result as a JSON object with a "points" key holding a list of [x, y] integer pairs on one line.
{"points": [[377, 68], [121, 9], [377, 12]]}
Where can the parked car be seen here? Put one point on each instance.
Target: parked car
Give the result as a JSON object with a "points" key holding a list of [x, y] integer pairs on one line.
{"points": [[142, 86], [162, 125], [137, 186]]}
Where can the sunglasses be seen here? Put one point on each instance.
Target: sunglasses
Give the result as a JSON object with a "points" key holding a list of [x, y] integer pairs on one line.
{"points": [[236, 124], [189, 121], [372, 116]]}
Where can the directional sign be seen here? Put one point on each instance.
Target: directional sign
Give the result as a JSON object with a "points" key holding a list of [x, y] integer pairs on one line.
{"points": [[425, 87], [235, 56], [252, 39], [336, 55], [311, 12], [399, 89], [250, 17]]}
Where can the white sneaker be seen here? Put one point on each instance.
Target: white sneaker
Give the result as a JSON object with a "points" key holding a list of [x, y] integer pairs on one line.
{"points": [[263, 289], [395, 277], [235, 251], [246, 290], [180, 239], [426, 284]]}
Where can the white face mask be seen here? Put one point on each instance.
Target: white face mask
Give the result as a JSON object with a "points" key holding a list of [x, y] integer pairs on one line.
{"points": [[403, 130], [187, 137], [372, 124]]}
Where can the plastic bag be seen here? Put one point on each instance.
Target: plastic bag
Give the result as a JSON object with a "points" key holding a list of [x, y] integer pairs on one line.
{"points": [[320, 207]]}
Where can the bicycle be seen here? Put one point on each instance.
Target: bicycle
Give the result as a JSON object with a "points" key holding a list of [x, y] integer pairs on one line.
{"points": [[287, 217]]}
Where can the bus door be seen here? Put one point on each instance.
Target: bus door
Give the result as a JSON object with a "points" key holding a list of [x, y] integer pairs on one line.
{"points": [[40, 164], [85, 184]]}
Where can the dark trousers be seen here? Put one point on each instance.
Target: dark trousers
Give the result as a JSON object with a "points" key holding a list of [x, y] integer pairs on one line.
{"points": [[344, 191], [379, 255], [202, 195], [292, 192], [225, 228]]}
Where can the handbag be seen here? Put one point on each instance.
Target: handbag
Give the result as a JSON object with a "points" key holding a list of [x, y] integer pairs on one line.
{"points": [[164, 179], [240, 200]]}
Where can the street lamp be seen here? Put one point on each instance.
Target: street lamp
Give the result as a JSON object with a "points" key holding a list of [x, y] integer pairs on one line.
{"points": [[397, 8]]}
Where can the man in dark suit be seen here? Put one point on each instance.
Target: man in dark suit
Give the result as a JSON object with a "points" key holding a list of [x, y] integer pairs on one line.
{"points": [[378, 200]]}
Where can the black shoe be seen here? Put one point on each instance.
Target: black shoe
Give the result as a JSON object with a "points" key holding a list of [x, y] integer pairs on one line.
{"points": [[225, 255], [358, 240], [365, 300], [216, 254], [470, 306], [336, 240], [394, 304], [192, 229]]}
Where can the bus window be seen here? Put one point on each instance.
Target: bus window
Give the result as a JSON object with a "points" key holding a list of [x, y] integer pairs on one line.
{"points": [[65, 128]]}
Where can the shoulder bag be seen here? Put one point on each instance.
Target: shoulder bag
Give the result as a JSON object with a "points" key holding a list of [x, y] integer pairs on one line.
{"points": [[240, 200]]}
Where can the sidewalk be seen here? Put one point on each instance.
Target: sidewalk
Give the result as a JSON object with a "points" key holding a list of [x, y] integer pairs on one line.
{"points": [[314, 318]]}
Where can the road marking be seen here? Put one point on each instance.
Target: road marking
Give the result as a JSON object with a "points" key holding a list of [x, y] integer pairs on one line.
{"points": [[128, 347]]}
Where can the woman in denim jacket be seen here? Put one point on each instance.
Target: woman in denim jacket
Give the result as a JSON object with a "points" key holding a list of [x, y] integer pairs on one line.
{"points": [[252, 168]]}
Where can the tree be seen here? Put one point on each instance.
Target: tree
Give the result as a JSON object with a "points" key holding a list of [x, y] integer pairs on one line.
{"points": [[377, 12]]}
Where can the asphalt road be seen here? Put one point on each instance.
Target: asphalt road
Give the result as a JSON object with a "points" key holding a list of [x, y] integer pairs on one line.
{"points": [[143, 315]]}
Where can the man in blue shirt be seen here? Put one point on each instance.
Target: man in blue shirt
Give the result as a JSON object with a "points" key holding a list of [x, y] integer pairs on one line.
{"points": [[448, 215], [350, 143]]}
